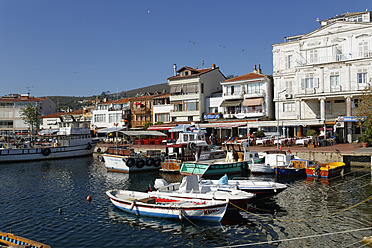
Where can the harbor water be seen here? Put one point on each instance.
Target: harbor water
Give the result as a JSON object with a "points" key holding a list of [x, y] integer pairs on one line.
{"points": [[47, 202]]}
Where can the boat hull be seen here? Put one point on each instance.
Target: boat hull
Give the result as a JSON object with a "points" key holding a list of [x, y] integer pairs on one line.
{"points": [[46, 153], [326, 170], [210, 169], [119, 163], [261, 169], [177, 210], [280, 171]]}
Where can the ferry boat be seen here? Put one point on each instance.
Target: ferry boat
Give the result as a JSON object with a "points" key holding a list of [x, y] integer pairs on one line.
{"points": [[72, 139], [125, 159]]}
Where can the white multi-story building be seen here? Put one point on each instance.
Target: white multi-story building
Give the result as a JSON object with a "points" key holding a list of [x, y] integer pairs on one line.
{"points": [[11, 121], [161, 108], [111, 114], [248, 96], [189, 88], [319, 76]]}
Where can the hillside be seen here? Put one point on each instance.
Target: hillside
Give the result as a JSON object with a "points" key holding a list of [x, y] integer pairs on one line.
{"points": [[72, 102]]}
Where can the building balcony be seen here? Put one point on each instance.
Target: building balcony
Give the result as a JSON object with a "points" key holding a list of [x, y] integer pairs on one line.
{"points": [[138, 123], [363, 86], [141, 111], [256, 94], [228, 96], [334, 58]]}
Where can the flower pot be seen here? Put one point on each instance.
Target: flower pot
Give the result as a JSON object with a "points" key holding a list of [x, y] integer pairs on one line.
{"points": [[364, 144]]}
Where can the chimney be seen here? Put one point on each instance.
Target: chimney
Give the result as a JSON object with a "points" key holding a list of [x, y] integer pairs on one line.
{"points": [[255, 69], [175, 69], [213, 66], [259, 69]]}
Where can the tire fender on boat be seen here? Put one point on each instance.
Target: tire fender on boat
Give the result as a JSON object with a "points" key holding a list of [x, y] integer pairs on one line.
{"points": [[89, 146], [99, 149], [150, 161], [129, 162], [141, 163], [45, 151], [157, 162]]}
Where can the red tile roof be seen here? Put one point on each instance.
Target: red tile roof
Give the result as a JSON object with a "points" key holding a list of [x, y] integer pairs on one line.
{"points": [[55, 115], [32, 99], [197, 72], [248, 76]]}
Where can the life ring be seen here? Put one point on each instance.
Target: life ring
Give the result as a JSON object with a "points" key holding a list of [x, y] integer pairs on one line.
{"points": [[99, 149], [192, 146], [140, 163], [150, 161], [45, 151], [157, 162], [129, 162], [89, 146]]}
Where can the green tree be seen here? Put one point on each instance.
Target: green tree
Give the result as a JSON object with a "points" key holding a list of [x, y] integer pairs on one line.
{"points": [[147, 125], [364, 115], [30, 115]]}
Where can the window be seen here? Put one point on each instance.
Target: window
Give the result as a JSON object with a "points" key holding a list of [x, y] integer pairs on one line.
{"points": [[335, 80], [7, 105], [213, 110], [338, 53], [255, 88], [164, 117], [289, 61], [355, 103], [309, 83], [362, 78], [190, 105], [288, 87], [115, 117], [99, 118], [178, 107], [313, 56], [363, 48], [230, 90], [289, 107], [328, 105]]}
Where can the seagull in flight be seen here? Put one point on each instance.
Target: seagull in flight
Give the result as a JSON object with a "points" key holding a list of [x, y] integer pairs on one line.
{"points": [[222, 46], [192, 42]]}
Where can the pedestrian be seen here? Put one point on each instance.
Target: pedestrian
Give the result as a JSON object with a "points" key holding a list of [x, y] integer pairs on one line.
{"points": [[211, 138]]}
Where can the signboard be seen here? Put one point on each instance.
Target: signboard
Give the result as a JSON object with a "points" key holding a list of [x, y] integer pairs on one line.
{"points": [[347, 118], [212, 116]]}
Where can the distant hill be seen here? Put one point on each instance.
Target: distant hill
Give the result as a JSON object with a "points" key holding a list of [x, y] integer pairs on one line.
{"points": [[72, 102]]}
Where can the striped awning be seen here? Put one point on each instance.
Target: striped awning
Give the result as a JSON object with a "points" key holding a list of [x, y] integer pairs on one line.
{"points": [[253, 102], [231, 103]]}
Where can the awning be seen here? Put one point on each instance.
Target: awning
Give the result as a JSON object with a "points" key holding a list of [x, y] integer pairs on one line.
{"points": [[110, 130], [223, 125], [143, 133], [159, 127], [176, 102], [253, 102], [231, 103], [180, 128], [193, 88], [176, 89]]}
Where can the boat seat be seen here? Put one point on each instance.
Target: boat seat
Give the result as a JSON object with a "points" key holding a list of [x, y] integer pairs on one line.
{"points": [[148, 200]]}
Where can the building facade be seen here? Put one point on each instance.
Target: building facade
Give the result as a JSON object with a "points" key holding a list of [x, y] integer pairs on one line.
{"points": [[189, 88], [320, 76], [11, 121]]}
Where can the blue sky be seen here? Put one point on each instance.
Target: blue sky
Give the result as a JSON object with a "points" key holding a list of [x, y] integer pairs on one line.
{"points": [[84, 47]]}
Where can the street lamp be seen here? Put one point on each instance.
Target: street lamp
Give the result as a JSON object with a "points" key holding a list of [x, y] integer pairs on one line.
{"points": [[277, 124]]}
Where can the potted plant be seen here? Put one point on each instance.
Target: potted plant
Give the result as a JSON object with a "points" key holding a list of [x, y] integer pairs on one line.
{"points": [[365, 140], [311, 133]]}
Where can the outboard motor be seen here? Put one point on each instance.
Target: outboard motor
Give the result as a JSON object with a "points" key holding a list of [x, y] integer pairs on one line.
{"points": [[160, 183]]}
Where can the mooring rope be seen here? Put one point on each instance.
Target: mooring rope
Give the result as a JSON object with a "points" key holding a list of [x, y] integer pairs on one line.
{"points": [[303, 220], [299, 238]]}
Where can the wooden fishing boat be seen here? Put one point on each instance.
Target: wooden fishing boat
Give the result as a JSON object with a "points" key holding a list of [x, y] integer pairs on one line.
{"points": [[141, 203], [235, 162], [190, 188], [11, 240], [326, 170], [297, 167]]}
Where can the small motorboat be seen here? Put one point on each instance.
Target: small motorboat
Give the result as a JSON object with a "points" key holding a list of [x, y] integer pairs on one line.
{"points": [[326, 170], [259, 188], [297, 167], [11, 240], [141, 203], [190, 188]]}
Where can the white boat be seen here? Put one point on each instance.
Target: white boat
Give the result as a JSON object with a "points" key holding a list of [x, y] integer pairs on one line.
{"points": [[126, 160], [141, 203], [259, 188], [190, 188], [271, 159], [72, 139]]}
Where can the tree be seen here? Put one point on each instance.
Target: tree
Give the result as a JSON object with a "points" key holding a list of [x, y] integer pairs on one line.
{"points": [[364, 115], [147, 125], [30, 115]]}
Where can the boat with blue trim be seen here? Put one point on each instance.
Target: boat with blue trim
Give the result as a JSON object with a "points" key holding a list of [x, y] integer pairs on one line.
{"points": [[144, 204], [11, 240]]}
